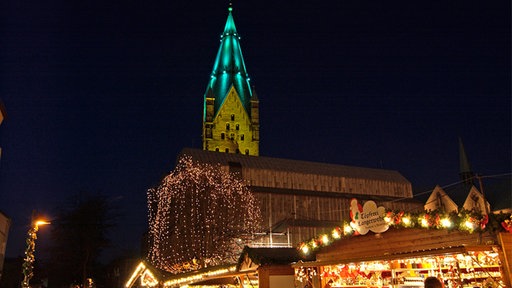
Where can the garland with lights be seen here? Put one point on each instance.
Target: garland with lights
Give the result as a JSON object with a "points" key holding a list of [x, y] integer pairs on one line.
{"points": [[464, 220], [198, 216], [28, 264]]}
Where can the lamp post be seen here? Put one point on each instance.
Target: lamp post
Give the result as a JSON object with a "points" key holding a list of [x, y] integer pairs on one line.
{"points": [[28, 264]]}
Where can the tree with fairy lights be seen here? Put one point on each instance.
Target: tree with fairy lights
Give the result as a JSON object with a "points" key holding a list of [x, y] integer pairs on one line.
{"points": [[197, 217]]}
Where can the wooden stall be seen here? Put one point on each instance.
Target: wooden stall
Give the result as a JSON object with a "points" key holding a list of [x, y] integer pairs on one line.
{"points": [[404, 257]]}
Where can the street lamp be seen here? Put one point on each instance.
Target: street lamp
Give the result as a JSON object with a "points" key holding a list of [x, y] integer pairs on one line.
{"points": [[28, 264]]}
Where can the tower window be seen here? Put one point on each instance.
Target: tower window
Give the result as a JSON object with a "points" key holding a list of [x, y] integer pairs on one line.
{"points": [[242, 137], [232, 136], [227, 126], [232, 117], [222, 136], [237, 127]]}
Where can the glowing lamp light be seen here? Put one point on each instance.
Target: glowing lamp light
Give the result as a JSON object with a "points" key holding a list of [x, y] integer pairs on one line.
{"points": [[336, 234], [424, 222], [387, 219], [469, 225], [305, 249], [406, 220], [347, 229], [41, 222], [325, 239], [445, 222]]}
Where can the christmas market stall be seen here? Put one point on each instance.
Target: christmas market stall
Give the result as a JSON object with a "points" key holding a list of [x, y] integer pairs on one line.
{"points": [[256, 267], [381, 248], [146, 275]]}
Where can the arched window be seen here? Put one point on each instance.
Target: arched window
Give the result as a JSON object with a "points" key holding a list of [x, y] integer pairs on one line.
{"points": [[227, 126], [222, 136], [216, 149], [237, 127], [232, 117], [242, 137]]}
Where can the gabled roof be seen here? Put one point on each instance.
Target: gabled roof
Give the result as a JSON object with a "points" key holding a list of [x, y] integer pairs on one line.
{"points": [[229, 69], [251, 258], [476, 201], [440, 200]]}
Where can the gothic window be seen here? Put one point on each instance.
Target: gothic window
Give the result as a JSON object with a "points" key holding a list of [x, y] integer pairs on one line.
{"points": [[227, 126], [232, 117], [237, 127], [222, 136], [242, 137]]}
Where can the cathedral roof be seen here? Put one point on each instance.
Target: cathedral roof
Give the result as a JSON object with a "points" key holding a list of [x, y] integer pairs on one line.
{"points": [[229, 68], [297, 166]]}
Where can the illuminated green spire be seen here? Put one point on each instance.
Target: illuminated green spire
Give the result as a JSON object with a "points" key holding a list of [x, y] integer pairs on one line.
{"points": [[229, 68]]}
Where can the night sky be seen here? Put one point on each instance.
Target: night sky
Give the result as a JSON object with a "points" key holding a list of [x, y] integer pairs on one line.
{"points": [[102, 95]]}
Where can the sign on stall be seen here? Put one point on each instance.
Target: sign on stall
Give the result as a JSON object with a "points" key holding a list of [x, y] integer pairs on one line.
{"points": [[367, 217]]}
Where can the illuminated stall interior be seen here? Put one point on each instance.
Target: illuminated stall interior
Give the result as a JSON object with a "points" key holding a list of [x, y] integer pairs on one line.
{"points": [[405, 257]]}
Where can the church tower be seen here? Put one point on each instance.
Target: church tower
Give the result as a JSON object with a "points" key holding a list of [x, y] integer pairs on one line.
{"points": [[466, 174], [231, 106]]}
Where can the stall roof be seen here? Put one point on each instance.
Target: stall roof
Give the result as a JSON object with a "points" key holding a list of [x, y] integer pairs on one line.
{"points": [[400, 243], [251, 258], [395, 256]]}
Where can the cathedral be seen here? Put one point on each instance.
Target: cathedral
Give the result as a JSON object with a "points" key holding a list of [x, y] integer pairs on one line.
{"points": [[298, 199]]}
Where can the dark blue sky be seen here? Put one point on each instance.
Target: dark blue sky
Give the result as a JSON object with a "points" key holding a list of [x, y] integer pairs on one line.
{"points": [[101, 96]]}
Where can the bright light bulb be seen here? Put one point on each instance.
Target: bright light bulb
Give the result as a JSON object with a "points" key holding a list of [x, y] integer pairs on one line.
{"points": [[445, 222], [469, 224]]}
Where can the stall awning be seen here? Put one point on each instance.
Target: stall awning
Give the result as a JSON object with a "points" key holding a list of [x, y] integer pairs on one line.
{"points": [[395, 256]]}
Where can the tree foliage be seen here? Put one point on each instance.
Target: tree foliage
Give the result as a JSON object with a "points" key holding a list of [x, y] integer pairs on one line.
{"points": [[79, 235], [198, 216]]}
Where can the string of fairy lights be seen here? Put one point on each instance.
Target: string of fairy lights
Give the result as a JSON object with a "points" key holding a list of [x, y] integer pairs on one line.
{"points": [[463, 220], [197, 216]]}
